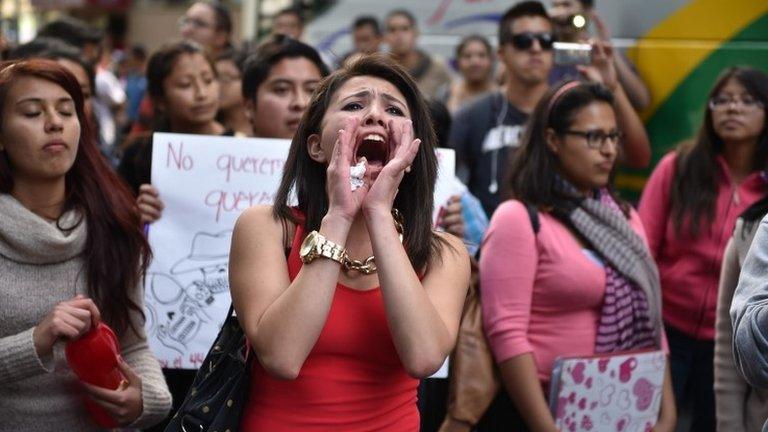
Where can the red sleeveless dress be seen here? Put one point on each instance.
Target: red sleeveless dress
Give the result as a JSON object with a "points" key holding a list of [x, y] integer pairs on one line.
{"points": [[352, 380]]}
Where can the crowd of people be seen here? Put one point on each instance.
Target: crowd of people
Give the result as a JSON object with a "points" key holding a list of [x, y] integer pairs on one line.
{"points": [[563, 266]]}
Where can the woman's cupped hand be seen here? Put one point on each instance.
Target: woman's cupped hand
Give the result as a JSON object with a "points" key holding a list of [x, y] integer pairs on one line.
{"points": [[380, 185], [382, 192], [342, 200]]}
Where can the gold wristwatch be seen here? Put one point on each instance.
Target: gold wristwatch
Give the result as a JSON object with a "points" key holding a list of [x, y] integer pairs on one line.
{"points": [[315, 245]]}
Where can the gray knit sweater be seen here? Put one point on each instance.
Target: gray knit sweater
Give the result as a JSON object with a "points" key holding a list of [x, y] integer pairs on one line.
{"points": [[41, 266]]}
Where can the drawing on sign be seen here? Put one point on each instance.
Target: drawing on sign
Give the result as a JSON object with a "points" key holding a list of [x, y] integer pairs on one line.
{"points": [[180, 300]]}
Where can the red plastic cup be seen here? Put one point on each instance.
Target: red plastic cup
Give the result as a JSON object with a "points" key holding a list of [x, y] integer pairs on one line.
{"points": [[94, 358]]}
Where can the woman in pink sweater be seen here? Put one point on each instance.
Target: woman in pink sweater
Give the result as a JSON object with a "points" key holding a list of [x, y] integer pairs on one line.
{"points": [[689, 208], [584, 282]]}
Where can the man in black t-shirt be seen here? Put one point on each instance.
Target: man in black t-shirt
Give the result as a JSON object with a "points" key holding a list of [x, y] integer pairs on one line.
{"points": [[484, 132]]}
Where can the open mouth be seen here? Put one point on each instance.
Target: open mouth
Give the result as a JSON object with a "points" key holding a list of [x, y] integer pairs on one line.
{"points": [[374, 148]]}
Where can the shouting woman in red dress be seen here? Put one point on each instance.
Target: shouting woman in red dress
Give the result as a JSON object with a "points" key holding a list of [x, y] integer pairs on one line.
{"points": [[369, 297]]}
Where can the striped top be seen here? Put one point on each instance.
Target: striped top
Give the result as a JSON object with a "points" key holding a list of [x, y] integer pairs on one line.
{"points": [[625, 322]]}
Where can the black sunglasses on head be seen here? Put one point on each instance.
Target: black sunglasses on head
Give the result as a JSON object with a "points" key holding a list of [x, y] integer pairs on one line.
{"points": [[524, 41]]}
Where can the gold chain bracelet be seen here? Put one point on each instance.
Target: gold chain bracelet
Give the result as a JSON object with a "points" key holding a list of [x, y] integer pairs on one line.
{"points": [[368, 266]]}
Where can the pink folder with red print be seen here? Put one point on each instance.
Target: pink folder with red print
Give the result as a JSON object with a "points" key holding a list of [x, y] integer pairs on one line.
{"points": [[608, 392]]}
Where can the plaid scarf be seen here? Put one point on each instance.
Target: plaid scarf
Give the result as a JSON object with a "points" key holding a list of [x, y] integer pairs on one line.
{"points": [[631, 314]]}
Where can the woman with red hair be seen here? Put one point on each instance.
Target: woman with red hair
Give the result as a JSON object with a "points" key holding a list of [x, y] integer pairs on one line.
{"points": [[72, 254]]}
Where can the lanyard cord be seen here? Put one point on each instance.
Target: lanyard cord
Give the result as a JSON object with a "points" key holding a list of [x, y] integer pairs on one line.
{"points": [[494, 186]]}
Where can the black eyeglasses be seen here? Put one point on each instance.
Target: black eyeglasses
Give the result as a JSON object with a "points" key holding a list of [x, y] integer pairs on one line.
{"points": [[596, 139], [524, 41]]}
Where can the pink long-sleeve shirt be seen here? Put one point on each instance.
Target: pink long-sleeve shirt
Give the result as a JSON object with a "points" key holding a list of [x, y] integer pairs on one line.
{"points": [[689, 268], [540, 293]]}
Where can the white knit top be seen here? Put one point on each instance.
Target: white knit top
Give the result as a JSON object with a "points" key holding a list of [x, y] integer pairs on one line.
{"points": [[40, 266]]}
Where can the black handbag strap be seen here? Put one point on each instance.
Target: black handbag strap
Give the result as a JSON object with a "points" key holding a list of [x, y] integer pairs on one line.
{"points": [[533, 216], [231, 309]]}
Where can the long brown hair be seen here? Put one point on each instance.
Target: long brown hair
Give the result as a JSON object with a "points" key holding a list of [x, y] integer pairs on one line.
{"points": [[694, 188], [308, 177], [116, 253]]}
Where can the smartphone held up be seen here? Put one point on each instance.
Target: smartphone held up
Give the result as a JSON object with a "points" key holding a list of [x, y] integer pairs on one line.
{"points": [[568, 53]]}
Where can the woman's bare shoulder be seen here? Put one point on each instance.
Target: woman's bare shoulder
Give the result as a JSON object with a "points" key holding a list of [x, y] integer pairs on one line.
{"points": [[257, 214], [448, 269], [260, 221], [452, 248]]}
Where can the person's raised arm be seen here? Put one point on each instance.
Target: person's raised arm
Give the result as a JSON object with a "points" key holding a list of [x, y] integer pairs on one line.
{"points": [[423, 315], [637, 147], [633, 85], [149, 203]]}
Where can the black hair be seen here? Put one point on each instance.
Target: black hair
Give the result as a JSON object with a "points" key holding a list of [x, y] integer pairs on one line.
{"points": [[222, 14], [522, 9], [54, 49], [307, 177], [403, 13], [441, 121], [466, 40], [367, 20], [259, 64], [138, 52], [160, 66], [694, 187], [72, 31], [235, 55], [753, 215], [34, 48], [292, 10], [587, 4], [756, 211], [532, 172]]}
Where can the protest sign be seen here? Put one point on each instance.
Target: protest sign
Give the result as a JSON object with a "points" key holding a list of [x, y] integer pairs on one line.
{"points": [[205, 183]]}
